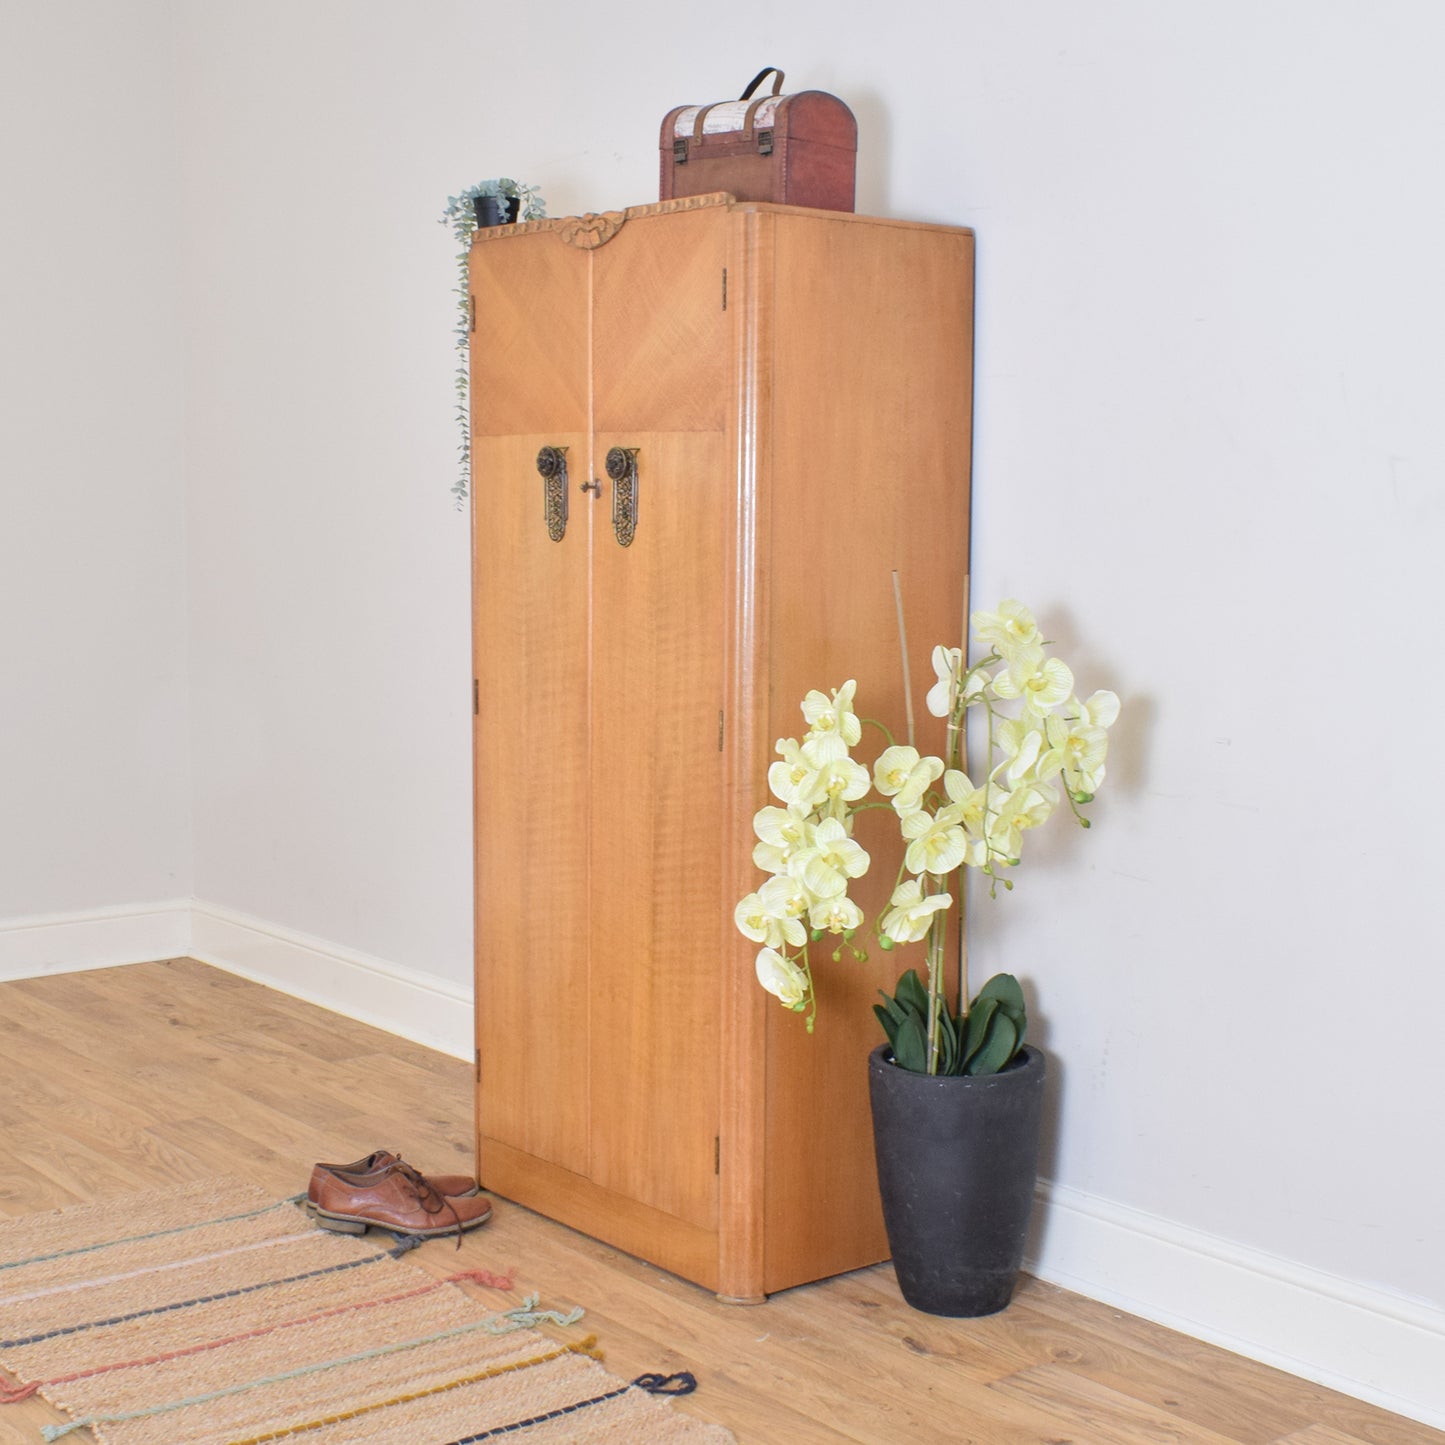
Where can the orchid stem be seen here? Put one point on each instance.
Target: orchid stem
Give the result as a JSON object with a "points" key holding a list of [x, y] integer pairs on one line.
{"points": [[961, 743], [903, 651]]}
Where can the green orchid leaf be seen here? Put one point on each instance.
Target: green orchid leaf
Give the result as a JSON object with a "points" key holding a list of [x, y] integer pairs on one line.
{"points": [[911, 992], [894, 1011], [911, 1049], [1005, 988], [999, 1046], [950, 1050], [979, 1018], [881, 1014], [889, 1021]]}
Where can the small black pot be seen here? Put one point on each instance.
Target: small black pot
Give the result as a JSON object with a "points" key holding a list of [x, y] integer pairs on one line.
{"points": [[496, 210], [957, 1162]]}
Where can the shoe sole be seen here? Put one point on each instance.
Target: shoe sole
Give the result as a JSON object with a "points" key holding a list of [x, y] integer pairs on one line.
{"points": [[356, 1224]]}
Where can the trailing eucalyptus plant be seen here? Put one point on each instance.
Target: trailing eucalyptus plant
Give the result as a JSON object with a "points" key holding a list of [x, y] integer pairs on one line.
{"points": [[1042, 741], [461, 216]]}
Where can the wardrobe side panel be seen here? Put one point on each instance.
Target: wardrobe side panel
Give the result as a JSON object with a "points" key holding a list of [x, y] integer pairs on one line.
{"points": [[870, 460]]}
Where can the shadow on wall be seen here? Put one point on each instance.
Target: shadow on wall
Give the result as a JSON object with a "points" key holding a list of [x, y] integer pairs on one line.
{"points": [[871, 192]]}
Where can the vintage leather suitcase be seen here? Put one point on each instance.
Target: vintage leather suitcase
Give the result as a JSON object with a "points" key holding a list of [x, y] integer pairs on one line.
{"points": [[800, 149]]}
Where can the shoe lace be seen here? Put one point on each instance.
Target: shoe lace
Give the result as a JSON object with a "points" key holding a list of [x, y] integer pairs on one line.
{"points": [[431, 1199]]}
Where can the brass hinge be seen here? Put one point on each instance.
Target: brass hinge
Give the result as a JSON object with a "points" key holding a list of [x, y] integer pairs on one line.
{"points": [[725, 288], [717, 1154], [476, 698], [478, 1070], [471, 312], [719, 730]]}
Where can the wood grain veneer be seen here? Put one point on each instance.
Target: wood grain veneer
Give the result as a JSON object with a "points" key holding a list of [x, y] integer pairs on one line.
{"points": [[797, 386]]}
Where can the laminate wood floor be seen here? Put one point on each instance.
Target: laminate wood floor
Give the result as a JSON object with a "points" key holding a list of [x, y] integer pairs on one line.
{"points": [[129, 1078]]}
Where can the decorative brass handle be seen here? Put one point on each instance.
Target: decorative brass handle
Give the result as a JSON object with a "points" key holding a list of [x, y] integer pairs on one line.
{"points": [[622, 468], [552, 464]]}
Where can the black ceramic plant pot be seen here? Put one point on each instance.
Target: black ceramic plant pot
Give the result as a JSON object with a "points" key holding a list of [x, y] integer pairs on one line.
{"points": [[496, 210], [957, 1162]]}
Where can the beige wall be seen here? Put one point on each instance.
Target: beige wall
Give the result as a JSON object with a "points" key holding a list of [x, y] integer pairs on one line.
{"points": [[94, 738]]}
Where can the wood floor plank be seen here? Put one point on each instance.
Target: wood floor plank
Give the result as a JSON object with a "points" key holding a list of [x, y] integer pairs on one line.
{"points": [[1318, 1435], [1250, 1405], [128, 1078], [1102, 1415], [1211, 1384]]}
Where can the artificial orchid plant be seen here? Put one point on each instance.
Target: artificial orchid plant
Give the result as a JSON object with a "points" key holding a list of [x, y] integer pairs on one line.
{"points": [[1043, 746]]}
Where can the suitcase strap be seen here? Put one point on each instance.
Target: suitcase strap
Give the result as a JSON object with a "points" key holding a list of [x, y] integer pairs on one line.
{"points": [[765, 143]]}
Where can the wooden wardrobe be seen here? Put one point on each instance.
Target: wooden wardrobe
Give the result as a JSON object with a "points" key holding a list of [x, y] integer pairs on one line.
{"points": [[706, 433]]}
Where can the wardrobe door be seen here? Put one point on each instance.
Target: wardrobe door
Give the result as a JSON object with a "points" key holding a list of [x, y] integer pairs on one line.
{"points": [[660, 531], [530, 620]]}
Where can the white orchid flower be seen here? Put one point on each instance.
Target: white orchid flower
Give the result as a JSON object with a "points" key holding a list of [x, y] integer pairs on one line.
{"points": [[830, 862], [755, 921], [782, 827], [1040, 682], [911, 916], [1077, 732], [1101, 710], [946, 663], [836, 915], [943, 696], [901, 774], [823, 748], [840, 779], [1002, 835], [1035, 806], [786, 898], [1012, 814], [782, 978], [1025, 758], [835, 714], [936, 841], [1008, 630], [969, 802], [795, 780], [781, 833], [1082, 749]]}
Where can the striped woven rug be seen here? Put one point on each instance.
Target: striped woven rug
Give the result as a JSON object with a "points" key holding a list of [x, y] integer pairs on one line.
{"points": [[215, 1314]]}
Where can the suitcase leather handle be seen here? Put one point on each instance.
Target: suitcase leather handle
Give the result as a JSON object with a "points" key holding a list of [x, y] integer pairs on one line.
{"points": [[758, 79]]}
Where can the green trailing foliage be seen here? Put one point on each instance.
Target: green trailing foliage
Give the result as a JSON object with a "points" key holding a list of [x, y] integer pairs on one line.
{"points": [[460, 218], [982, 1042]]}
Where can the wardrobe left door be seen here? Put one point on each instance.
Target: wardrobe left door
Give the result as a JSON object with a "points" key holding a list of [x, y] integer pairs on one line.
{"points": [[530, 627]]}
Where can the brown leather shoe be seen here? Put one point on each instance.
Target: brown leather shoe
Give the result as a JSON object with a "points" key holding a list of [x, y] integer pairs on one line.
{"points": [[454, 1186], [394, 1197]]}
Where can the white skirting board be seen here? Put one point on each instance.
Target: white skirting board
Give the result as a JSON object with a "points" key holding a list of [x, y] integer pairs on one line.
{"points": [[391, 996], [1362, 1341], [1365, 1342], [97, 938]]}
